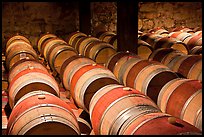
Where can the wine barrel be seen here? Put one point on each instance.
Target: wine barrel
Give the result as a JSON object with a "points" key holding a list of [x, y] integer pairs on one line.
{"points": [[154, 30], [87, 80], [113, 41], [43, 39], [24, 64], [100, 52], [70, 66], [149, 77], [19, 52], [144, 49], [112, 105], [29, 80], [187, 64], [49, 44], [168, 42], [199, 33], [121, 65], [182, 29], [180, 35], [160, 54], [162, 32], [17, 42], [83, 119], [195, 41], [83, 42], [72, 37], [159, 124], [151, 38], [41, 113], [195, 71], [110, 64], [59, 54], [186, 94], [197, 50], [17, 37], [166, 60], [105, 36]]}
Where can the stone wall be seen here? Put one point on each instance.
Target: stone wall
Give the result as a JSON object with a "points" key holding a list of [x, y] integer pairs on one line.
{"points": [[104, 16], [34, 18], [169, 15]]}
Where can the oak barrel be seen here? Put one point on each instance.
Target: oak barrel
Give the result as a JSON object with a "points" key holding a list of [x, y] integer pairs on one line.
{"points": [[46, 114]]}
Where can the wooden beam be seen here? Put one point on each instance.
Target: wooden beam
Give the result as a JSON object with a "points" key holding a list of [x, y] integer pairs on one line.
{"points": [[85, 17], [127, 25]]}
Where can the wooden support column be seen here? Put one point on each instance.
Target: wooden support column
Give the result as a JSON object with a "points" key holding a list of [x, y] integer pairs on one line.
{"points": [[85, 17], [127, 22]]}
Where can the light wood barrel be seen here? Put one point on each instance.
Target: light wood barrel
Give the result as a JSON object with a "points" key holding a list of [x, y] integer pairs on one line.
{"points": [[43, 39], [161, 53], [17, 42], [188, 63], [199, 32], [144, 49], [100, 52], [195, 41], [197, 50], [182, 29], [22, 65], [72, 37], [135, 69], [110, 64], [151, 38], [180, 35], [87, 80], [83, 42], [162, 32], [168, 42], [170, 56], [113, 41], [59, 54], [195, 71], [188, 104], [70, 66], [17, 37], [198, 122], [41, 113], [121, 64], [104, 36], [152, 78], [29, 80], [159, 124], [176, 61], [19, 52], [49, 44], [84, 122], [112, 106]]}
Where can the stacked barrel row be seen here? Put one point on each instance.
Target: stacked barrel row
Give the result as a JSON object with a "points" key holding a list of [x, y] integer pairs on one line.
{"points": [[182, 38], [55, 53], [34, 94], [144, 49], [92, 87], [152, 77], [91, 47], [187, 66], [185, 39]]}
